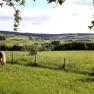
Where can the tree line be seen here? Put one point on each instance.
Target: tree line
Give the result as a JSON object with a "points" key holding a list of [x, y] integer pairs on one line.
{"points": [[74, 46], [67, 46]]}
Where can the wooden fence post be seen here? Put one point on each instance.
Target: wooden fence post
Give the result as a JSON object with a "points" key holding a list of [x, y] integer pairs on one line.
{"points": [[65, 66], [12, 61], [64, 63], [35, 59]]}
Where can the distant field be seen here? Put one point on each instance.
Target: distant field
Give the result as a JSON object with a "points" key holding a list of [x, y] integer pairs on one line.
{"points": [[14, 40], [47, 77]]}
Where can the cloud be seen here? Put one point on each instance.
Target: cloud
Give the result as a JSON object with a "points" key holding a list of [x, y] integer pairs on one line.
{"points": [[83, 2], [37, 20], [69, 18], [73, 16], [6, 25], [4, 18]]}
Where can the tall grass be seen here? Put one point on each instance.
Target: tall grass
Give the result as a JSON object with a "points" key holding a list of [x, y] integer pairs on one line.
{"points": [[18, 79], [78, 61]]}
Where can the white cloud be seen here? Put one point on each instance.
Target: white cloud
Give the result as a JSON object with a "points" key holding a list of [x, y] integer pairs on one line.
{"points": [[72, 17], [83, 2]]}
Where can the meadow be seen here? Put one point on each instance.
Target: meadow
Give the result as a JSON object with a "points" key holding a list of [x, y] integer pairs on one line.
{"points": [[14, 40], [20, 76], [75, 60]]}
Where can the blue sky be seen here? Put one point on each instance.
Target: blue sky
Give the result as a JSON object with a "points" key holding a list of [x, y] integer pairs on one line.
{"points": [[73, 16], [30, 4]]}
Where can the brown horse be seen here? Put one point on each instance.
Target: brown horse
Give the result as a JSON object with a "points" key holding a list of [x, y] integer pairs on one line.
{"points": [[2, 58]]}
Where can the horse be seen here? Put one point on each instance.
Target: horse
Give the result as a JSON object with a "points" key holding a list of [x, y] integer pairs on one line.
{"points": [[2, 58]]}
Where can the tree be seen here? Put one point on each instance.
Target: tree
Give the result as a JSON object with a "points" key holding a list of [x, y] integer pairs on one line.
{"points": [[57, 1], [13, 4], [33, 52], [92, 25], [92, 22]]}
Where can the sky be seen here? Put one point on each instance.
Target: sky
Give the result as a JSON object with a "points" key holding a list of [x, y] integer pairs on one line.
{"points": [[74, 16]]}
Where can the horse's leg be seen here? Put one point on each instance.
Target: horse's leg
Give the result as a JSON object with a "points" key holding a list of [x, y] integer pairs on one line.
{"points": [[1, 63]]}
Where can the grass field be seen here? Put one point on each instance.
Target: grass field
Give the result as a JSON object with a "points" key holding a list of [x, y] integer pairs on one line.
{"points": [[47, 77], [82, 61], [14, 40]]}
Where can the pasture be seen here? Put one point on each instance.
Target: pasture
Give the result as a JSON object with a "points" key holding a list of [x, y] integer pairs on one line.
{"points": [[48, 77]]}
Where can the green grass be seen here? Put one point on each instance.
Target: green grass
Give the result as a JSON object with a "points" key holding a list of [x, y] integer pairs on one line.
{"points": [[19, 78], [77, 60], [18, 39], [14, 39], [15, 79]]}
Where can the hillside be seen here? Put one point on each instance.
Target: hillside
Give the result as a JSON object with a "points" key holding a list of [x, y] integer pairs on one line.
{"points": [[46, 35], [14, 38]]}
